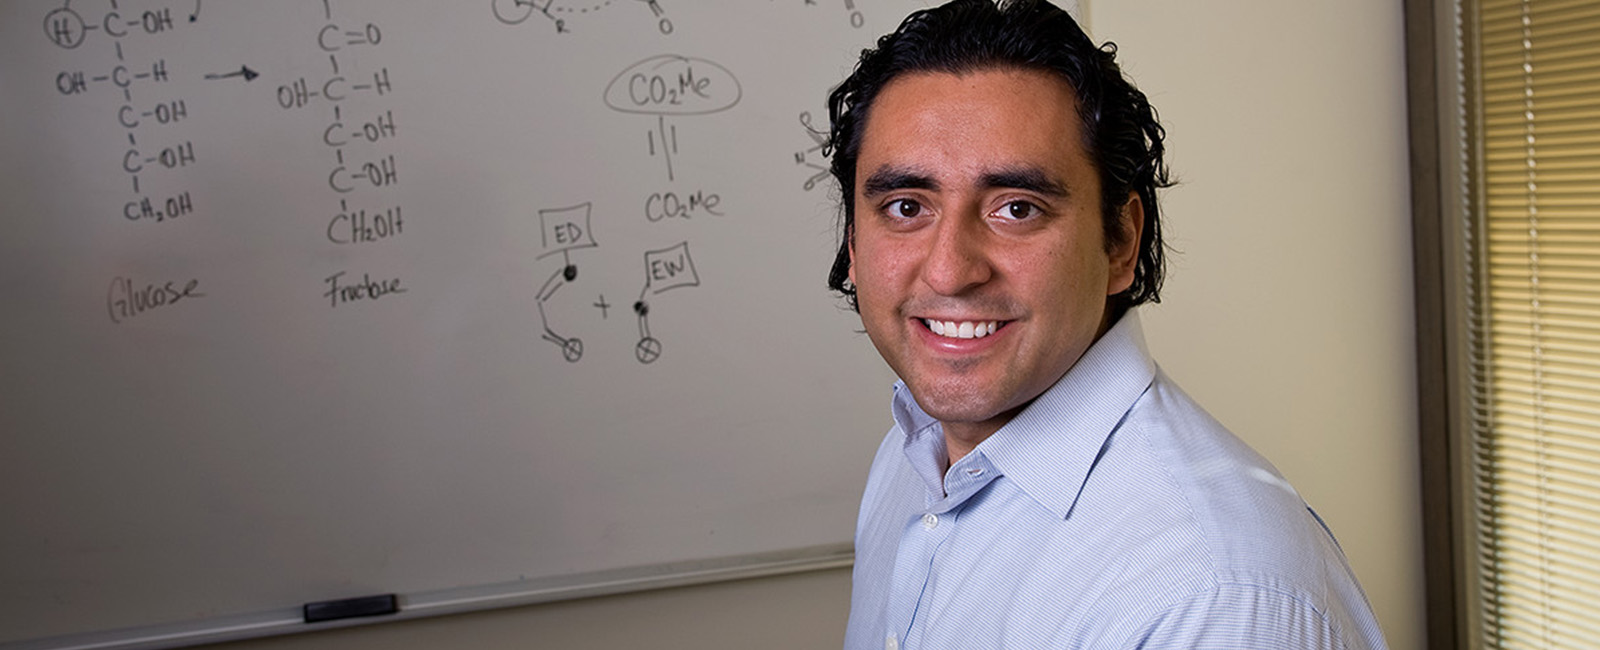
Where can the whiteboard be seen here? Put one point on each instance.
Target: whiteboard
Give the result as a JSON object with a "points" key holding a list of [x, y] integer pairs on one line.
{"points": [[320, 299]]}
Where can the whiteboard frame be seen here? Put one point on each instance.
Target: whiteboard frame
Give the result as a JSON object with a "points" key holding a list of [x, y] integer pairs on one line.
{"points": [[461, 600]]}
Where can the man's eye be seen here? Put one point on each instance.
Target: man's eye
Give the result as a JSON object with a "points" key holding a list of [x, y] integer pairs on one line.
{"points": [[1018, 210], [905, 208]]}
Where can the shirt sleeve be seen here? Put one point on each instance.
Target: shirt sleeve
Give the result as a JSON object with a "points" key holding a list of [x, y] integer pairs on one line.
{"points": [[1241, 617]]}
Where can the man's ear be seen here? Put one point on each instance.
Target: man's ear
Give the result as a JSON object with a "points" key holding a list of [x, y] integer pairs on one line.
{"points": [[1124, 256]]}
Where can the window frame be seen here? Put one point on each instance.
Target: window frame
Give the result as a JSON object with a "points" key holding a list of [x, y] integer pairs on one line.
{"points": [[1436, 71]]}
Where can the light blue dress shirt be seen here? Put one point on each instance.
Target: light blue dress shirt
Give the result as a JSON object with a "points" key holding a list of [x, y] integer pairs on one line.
{"points": [[1112, 512]]}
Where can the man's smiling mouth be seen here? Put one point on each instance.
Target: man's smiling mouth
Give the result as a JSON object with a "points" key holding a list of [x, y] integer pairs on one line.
{"points": [[961, 329]]}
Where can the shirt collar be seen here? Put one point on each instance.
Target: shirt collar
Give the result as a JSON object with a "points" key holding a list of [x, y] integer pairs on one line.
{"points": [[924, 440], [1051, 446]]}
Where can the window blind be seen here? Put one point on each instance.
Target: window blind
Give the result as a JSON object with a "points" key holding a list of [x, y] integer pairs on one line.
{"points": [[1536, 307]]}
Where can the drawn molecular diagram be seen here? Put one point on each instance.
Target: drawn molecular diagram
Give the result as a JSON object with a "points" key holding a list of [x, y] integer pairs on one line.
{"points": [[813, 157], [67, 28], [664, 270], [514, 12], [562, 231], [670, 85], [360, 134], [150, 113], [565, 230]]}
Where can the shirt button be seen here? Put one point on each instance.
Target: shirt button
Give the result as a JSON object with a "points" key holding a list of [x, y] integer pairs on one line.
{"points": [[929, 521], [975, 472], [891, 643]]}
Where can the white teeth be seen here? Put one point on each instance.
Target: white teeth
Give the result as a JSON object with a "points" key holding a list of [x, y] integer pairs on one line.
{"points": [[964, 329]]}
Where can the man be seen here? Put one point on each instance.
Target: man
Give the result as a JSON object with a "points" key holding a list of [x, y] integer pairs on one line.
{"points": [[1044, 485]]}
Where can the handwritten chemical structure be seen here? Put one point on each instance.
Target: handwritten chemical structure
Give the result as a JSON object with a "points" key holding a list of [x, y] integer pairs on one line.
{"points": [[514, 12], [359, 132], [664, 270], [670, 85], [352, 93], [165, 153], [814, 157], [68, 29], [367, 169], [563, 230]]}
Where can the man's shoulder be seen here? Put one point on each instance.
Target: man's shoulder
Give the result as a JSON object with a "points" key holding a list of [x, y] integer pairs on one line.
{"points": [[1256, 614], [1208, 526], [1186, 453], [1202, 485]]}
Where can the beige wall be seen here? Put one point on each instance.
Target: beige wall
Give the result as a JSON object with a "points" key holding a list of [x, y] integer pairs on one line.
{"points": [[1288, 313]]}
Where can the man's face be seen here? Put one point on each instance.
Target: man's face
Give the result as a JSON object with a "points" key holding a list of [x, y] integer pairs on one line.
{"points": [[978, 255]]}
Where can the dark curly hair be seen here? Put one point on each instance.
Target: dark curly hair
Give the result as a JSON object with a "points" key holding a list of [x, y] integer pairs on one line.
{"points": [[1121, 132]]}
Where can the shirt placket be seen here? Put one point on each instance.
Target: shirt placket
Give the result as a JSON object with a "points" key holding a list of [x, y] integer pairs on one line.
{"points": [[921, 541], [912, 583]]}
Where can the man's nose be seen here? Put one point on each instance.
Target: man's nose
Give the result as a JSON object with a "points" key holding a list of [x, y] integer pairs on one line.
{"points": [[957, 259]]}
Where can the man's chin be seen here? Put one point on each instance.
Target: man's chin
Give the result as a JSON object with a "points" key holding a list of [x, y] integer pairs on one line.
{"points": [[955, 404]]}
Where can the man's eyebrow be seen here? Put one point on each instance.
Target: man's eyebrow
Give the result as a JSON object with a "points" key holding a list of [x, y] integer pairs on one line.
{"points": [[888, 179], [1024, 178]]}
